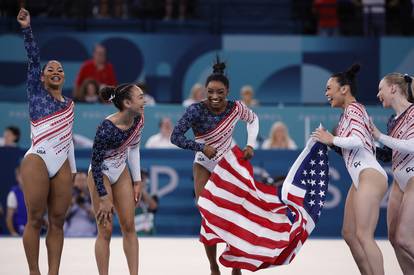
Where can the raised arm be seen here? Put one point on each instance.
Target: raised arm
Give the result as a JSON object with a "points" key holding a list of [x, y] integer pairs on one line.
{"points": [[34, 84]]}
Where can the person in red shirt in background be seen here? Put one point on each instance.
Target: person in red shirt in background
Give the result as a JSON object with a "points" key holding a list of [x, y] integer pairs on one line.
{"points": [[97, 68], [325, 11]]}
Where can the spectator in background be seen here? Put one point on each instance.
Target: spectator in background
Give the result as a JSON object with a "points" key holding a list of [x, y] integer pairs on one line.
{"points": [[325, 11], [16, 217], [162, 139], [279, 138], [146, 209], [148, 99], [11, 136], [197, 94], [247, 96], [80, 221], [88, 92], [170, 8], [97, 68]]}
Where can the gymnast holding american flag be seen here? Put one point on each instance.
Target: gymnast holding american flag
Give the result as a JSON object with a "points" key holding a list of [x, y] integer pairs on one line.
{"points": [[213, 121]]}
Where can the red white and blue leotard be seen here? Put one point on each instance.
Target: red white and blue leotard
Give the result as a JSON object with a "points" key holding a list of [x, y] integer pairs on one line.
{"points": [[51, 119], [111, 148], [215, 130]]}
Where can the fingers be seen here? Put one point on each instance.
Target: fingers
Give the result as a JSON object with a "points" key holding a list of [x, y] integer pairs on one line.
{"points": [[23, 13]]}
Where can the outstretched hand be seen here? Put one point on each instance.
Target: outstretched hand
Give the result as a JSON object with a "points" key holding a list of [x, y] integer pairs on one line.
{"points": [[23, 18]]}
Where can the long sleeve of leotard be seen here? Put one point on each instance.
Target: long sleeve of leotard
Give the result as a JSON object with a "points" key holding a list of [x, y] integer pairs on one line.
{"points": [[351, 142], [100, 145], [134, 162], [183, 125], [400, 145], [34, 84]]}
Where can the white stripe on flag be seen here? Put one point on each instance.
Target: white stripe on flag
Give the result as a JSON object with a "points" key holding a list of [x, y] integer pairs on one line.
{"points": [[241, 221], [244, 245], [247, 205]]}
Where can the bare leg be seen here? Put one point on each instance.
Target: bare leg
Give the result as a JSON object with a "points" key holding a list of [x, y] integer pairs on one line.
{"points": [[405, 229], [124, 203], [349, 234], [59, 199], [371, 190], [104, 230], [36, 190], [201, 176], [393, 213]]}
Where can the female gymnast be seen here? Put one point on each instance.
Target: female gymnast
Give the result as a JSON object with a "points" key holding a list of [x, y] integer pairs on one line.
{"points": [[117, 140], [213, 121], [362, 204], [48, 166], [395, 92]]}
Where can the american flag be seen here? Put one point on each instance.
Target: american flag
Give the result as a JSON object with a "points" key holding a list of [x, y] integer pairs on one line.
{"points": [[263, 225]]}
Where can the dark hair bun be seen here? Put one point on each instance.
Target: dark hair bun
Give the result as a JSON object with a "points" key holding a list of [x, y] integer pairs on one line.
{"points": [[218, 68], [408, 78], [107, 92], [353, 70]]}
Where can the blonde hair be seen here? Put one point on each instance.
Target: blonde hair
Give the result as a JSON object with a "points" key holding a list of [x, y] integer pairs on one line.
{"points": [[403, 82], [247, 88], [285, 139], [194, 89]]}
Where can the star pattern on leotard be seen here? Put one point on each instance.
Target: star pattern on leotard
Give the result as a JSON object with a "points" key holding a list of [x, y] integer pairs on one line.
{"points": [[198, 117], [41, 103], [108, 137]]}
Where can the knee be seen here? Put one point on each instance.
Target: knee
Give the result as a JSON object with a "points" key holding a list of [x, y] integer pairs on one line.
{"points": [[348, 236], [105, 233], [128, 228], [404, 240], [364, 236], [56, 221], [35, 220]]}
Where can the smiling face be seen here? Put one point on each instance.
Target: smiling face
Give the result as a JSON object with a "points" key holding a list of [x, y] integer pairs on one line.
{"points": [[385, 93], [136, 102], [216, 95], [334, 93], [53, 75]]}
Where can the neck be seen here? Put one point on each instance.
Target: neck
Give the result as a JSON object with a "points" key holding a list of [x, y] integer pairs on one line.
{"points": [[126, 118], [348, 101], [400, 105], [56, 93]]}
